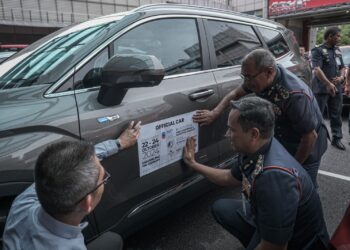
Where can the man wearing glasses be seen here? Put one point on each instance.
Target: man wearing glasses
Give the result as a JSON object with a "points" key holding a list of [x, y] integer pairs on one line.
{"points": [[69, 183], [299, 123]]}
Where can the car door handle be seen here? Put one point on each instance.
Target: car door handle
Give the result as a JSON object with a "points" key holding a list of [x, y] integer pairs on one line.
{"points": [[201, 94]]}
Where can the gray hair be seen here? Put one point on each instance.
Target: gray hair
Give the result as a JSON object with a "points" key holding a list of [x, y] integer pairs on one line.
{"points": [[262, 59], [64, 173], [255, 112]]}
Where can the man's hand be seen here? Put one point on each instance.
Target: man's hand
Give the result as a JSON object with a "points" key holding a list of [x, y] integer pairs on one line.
{"points": [[347, 89], [189, 151], [332, 89], [337, 80], [204, 117], [130, 135]]}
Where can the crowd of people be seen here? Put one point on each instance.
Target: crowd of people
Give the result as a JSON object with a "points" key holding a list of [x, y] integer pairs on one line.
{"points": [[279, 134]]}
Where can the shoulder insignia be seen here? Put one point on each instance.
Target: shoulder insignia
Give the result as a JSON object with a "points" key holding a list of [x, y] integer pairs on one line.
{"points": [[282, 91], [276, 110], [246, 187], [258, 166]]}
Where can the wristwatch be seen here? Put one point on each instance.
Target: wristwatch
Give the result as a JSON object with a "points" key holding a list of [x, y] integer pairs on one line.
{"points": [[117, 141]]}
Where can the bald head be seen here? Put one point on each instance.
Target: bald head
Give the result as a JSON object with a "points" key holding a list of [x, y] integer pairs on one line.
{"points": [[261, 58], [258, 70]]}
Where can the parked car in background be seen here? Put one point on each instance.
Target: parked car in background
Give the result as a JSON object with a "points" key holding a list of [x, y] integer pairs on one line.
{"points": [[6, 54], [154, 64], [7, 50], [345, 51]]}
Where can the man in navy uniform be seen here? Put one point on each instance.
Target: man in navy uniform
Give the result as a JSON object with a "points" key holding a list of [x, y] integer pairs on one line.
{"points": [[280, 208], [299, 123], [329, 74]]}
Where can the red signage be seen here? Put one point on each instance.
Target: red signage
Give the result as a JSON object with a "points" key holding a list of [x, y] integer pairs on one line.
{"points": [[277, 7]]}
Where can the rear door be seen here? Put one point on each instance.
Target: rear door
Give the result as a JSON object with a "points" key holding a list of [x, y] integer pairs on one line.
{"points": [[228, 42], [178, 43]]}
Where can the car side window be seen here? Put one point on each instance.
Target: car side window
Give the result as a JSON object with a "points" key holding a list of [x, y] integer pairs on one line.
{"points": [[173, 41], [90, 74], [275, 41], [232, 41]]}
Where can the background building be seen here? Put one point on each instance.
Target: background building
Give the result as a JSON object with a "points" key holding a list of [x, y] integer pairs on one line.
{"points": [[24, 21], [252, 7]]}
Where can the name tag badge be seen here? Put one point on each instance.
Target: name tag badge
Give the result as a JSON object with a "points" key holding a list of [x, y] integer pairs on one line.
{"points": [[338, 61]]}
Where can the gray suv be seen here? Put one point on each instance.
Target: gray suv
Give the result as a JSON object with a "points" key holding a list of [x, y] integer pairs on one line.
{"points": [[89, 80]]}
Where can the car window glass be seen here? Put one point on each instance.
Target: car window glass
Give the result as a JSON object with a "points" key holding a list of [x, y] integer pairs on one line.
{"points": [[174, 42], [345, 51], [67, 86], [52, 60], [90, 74], [275, 41], [232, 42]]}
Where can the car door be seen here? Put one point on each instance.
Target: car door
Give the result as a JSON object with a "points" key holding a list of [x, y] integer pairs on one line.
{"points": [[228, 42], [178, 44]]}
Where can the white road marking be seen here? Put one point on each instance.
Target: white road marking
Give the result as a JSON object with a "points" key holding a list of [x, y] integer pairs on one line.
{"points": [[339, 176]]}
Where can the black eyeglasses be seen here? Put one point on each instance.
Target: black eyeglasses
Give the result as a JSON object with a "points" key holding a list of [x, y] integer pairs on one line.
{"points": [[105, 180], [248, 77]]}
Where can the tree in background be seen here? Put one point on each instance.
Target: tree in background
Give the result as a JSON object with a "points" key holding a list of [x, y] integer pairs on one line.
{"points": [[345, 34]]}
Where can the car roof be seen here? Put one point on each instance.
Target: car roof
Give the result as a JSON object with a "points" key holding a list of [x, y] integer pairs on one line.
{"points": [[185, 9], [205, 11]]}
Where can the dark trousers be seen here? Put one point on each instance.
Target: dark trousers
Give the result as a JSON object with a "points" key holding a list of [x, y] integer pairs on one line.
{"points": [[312, 170], [349, 121], [229, 214], [334, 104], [107, 241]]}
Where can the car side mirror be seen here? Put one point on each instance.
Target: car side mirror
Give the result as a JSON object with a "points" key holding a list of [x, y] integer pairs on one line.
{"points": [[126, 71]]}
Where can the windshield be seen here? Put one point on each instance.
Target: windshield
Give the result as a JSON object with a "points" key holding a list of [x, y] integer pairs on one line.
{"points": [[52, 58]]}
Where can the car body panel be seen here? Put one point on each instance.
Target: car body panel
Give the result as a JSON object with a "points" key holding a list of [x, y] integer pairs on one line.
{"points": [[29, 123]]}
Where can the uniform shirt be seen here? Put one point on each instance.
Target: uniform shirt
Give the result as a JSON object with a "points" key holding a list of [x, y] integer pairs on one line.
{"points": [[297, 113], [330, 61], [28, 226], [286, 207]]}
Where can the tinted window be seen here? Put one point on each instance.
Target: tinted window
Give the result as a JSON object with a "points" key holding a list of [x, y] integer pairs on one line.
{"points": [[90, 75], [174, 42], [232, 42], [275, 41]]}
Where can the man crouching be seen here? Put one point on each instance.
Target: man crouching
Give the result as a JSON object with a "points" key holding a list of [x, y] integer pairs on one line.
{"points": [[280, 208]]}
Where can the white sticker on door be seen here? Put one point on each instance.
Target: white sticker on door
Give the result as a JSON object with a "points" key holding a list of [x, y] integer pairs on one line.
{"points": [[161, 143]]}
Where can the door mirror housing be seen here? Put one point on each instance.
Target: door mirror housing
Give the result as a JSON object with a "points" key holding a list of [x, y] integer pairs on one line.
{"points": [[126, 71]]}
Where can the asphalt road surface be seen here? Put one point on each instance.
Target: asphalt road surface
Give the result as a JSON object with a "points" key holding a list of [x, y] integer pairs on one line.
{"points": [[192, 227]]}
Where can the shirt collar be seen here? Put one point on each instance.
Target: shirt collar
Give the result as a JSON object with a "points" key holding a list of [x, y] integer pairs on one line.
{"points": [[249, 161], [274, 83], [328, 46], [59, 228]]}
